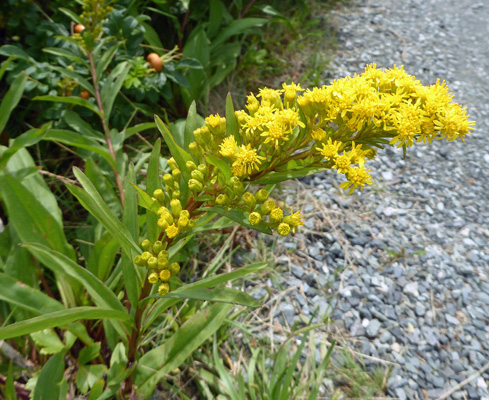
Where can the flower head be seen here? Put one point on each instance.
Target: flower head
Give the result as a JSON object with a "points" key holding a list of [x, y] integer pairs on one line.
{"points": [[229, 147], [246, 161], [330, 150]]}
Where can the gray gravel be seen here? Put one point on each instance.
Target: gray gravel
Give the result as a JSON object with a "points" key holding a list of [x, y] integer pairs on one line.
{"points": [[406, 263]]}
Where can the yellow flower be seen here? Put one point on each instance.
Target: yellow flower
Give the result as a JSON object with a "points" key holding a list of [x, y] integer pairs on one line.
{"points": [[342, 163], [272, 96], [330, 150], [318, 134], [289, 118], [276, 134], [357, 177], [407, 121], [229, 147], [294, 220], [247, 160], [453, 123], [171, 231], [254, 218], [283, 229]]}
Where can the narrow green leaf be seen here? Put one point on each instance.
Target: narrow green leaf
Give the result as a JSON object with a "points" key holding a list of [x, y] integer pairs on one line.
{"points": [[74, 16], [47, 341], [236, 27], [59, 263], [4, 66], [78, 101], [231, 122], [13, 51], [50, 379], [89, 353], [145, 200], [137, 129], [180, 156], [239, 216], [11, 99], [276, 177], [59, 318], [10, 393], [152, 183], [215, 18], [190, 125], [222, 165], [114, 90], [94, 203], [74, 139], [106, 59], [158, 362], [102, 256], [31, 221], [219, 295], [151, 36], [57, 51], [84, 83]]}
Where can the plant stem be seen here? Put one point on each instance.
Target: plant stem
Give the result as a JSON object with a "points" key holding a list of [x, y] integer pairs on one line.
{"points": [[104, 125]]}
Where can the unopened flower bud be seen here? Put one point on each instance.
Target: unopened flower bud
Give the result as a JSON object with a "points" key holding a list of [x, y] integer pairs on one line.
{"points": [[159, 195], [165, 275], [162, 224], [168, 179], [204, 169], [276, 215], [138, 261], [195, 150], [283, 229], [222, 200], [163, 254], [197, 175], [190, 165], [199, 137], [182, 222], [153, 278], [318, 134], [162, 262], [185, 213], [306, 106], [174, 268], [145, 257], [164, 289], [194, 185], [176, 207], [176, 194], [176, 173], [153, 263], [236, 186], [249, 200], [289, 97], [254, 218], [172, 163], [162, 210], [261, 196], [146, 244], [267, 207], [168, 217], [157, 247]]}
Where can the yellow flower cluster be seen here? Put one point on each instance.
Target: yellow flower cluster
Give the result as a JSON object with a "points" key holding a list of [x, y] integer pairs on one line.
{"points": [[156, 258]]}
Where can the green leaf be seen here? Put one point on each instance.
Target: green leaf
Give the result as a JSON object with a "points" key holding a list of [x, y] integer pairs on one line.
{"points": [[145, 200], [152, 183], [74, 139], [10, 393], [13, 51], [276, 177], [219, 295], [236, 27], [49, 381], [158, 362], [89, 353], [102, 256], [4, 66], [59, 263], [76, 122], [48, 341], [190, 125], [59, 318], [93, 202], [31, 221], [11, 99], [114, 88], [180, 156], [75, 17], [137, 129], [78, 101], [239, 216], [220, 164], [151, 36], [215, 18], [88, 375], [188, 62], [76, 77], [106, 59], [32, 136], [57, 51], [231, 122]]}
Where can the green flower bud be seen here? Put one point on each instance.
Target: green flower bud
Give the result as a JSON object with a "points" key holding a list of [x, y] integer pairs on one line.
{"points": [[172, 163], [182, 222], [185, 213], [176, 173], [199, 137], [222, 200], [191, 165], [174, 268], [176, 207], [165, 275], [164, 289], [153, 263], [276, 215], [197, 175], [267, 207], [194, 185], [176, 194], [145, 257], [163, 254], [254, 218], [168, 179], [236, 186], [146, 244], [195, 150], [153, 278], [191, 224], [157, 247], [138, 261], [159, 195], [249, 200], [176, 185], [168, 217], [204, 169], [162, 224], [261, 196], [163, 263], [283, 229]]}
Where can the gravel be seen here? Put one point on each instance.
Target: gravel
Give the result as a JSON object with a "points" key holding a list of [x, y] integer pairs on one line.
{"points": [[406, 262]]}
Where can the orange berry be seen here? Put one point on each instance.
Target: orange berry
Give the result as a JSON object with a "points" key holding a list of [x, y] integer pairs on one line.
{"points": [[85, 94], [155, 61], [79, 28]]}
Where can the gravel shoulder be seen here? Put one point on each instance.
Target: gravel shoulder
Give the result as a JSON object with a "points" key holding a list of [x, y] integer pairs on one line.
{"points": [[405, 264]]}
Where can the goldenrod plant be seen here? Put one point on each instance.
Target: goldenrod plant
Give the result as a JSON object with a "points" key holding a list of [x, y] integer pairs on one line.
{"points": [[108, 317]]}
